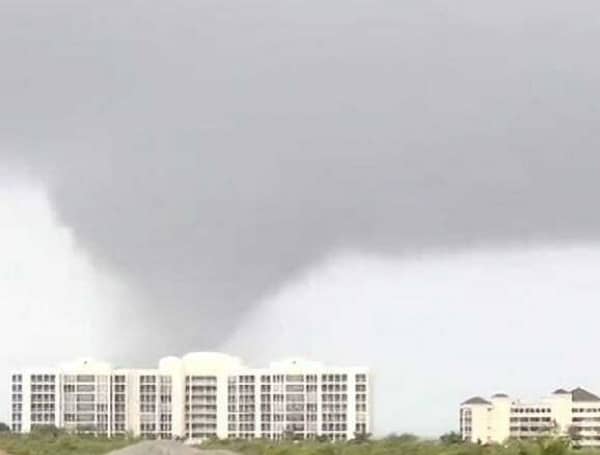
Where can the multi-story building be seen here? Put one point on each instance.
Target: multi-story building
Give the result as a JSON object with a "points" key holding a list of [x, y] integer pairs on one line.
{"points": [[200, 396], [574, 413]]}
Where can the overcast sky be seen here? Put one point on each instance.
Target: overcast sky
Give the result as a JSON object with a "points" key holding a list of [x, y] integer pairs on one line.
{"points": [[410, 185]]}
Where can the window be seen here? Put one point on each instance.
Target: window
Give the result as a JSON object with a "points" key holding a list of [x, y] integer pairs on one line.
{"points": [[294, 388], [85, 388]]}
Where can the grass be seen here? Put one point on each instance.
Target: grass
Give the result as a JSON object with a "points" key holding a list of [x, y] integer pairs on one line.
{"points": [[398, 446], [63, 444], [59, 445]]}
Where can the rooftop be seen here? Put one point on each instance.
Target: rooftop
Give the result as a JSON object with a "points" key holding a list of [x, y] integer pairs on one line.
{"points": [[476, 400], [580, 394]]}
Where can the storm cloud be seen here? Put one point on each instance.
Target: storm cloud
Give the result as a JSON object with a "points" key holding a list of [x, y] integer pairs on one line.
{"points": [[208, 152]]}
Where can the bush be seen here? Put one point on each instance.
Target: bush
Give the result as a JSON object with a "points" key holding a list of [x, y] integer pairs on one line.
{"points": [[404, 444], [451, 438], [51, 441]]}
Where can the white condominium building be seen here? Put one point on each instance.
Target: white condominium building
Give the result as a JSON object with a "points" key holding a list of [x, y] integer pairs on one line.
{"points": [[574, 413], [199, 396]]}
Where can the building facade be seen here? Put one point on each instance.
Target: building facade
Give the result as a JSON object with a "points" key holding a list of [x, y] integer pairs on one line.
{"points": [[199, 396], [574, 413]]}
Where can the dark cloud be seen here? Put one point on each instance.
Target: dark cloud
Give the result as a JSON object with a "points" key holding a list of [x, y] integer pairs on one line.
{"points": [[207, 150]]}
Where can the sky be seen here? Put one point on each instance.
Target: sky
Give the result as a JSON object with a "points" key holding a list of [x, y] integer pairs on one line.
{"points": [[408, 185]]}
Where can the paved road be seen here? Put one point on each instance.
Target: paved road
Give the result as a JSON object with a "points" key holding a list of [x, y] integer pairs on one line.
{"points": [[166, 448]]}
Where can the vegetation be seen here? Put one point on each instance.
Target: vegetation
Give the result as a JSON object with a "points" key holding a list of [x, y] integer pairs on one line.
{"points": [[55, 442], [402, 438], [404, 444], [451, 438]]}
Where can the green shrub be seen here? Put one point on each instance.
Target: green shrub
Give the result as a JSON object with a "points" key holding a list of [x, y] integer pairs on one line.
{"points": [[404, 444], [47, 441]]}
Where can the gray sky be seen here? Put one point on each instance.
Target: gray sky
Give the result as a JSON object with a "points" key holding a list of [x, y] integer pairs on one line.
{"points": [[203, 156]]}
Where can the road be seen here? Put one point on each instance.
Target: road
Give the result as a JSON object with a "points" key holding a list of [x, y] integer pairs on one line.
{"points": [[166, 448]]}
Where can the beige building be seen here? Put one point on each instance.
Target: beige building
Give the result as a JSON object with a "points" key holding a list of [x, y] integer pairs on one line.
{"points": [[574, 413], [196, 397]]}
